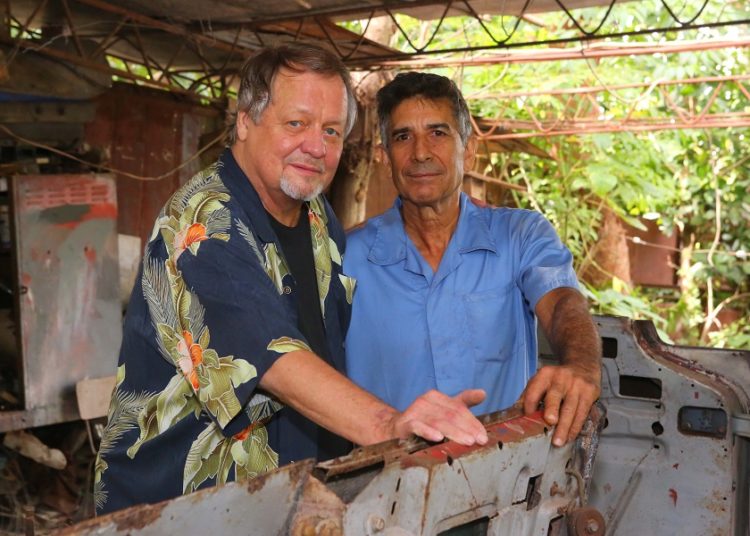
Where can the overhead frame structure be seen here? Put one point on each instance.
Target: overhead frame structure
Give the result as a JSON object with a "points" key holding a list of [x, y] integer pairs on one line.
{"points": [[583, 113], [197, 54]]}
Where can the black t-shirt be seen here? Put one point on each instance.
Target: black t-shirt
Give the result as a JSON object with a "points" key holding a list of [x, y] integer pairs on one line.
{"points": [[300, 435], [296, 245]]}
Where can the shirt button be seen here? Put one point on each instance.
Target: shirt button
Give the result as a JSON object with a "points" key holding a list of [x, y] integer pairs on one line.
{"points": [[287, 289]]}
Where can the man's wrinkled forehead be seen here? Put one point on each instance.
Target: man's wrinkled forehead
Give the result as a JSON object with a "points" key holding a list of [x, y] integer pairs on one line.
{"points": [[420, 109]]}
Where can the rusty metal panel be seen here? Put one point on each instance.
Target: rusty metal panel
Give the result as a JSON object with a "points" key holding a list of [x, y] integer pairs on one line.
{"points": [[263, 505], [668, 462], [517, 484], [70, 315]]}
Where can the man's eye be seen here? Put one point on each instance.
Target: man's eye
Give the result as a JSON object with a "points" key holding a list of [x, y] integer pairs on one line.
{"points": [[332, 132], [401, 137], [294, 123], [439, 133]]}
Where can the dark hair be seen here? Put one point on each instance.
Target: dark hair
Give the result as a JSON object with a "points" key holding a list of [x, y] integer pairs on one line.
{"points": [[258, 73], [426, 85]]}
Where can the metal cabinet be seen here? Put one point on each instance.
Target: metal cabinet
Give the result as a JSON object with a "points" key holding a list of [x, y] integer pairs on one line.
{"points": [[66, 309]]}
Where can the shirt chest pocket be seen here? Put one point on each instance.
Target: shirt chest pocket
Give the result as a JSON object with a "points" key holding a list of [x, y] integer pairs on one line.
{"points": [[492, 322]]}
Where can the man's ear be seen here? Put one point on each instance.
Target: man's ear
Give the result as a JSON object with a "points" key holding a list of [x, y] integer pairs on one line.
{"points": [[381, 154], [243, 121], [470, 152]]}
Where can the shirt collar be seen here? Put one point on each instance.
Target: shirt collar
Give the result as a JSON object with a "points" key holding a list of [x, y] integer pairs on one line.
{"points": [[473, 230], [244, 192], [472, 233]]}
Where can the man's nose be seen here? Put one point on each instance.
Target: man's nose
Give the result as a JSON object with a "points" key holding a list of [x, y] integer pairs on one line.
{"points": [[421, 149], [314, 144]]}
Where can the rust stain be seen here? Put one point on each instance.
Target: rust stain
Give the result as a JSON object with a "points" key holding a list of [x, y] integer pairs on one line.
{"points": [[125, 521], [696, 395], [142, 517], [673, 495], [716, 503], [607, 487], [676, 466], [90, 254], [513, 430], [295, 471]]}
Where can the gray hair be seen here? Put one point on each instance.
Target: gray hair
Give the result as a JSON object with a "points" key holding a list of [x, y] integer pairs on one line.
{"points": [[259, 71]]}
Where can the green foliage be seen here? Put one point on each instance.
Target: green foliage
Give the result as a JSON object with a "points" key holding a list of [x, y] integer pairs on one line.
{"points": [[694, 181], [735, 335]]}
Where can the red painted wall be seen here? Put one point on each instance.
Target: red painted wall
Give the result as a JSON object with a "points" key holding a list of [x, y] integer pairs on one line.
{"points": [[147, 133]]}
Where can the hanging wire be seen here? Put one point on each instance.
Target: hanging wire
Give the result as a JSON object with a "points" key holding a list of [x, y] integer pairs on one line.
{"points": [[676, 17], [581, 28], [419, 50], [69, 156], [515, 26]]}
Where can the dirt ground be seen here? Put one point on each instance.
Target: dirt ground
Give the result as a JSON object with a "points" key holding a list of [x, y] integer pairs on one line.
{"points": [[36, 499]]}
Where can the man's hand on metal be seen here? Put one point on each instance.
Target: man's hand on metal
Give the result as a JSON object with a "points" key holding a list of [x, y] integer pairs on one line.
{"points": [[435, 416], [568, 392]]}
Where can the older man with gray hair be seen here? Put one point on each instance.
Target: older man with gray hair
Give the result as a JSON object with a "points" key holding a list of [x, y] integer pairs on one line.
{"points": [[233, 342]]}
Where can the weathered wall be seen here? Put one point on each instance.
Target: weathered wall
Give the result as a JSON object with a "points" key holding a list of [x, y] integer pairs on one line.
{"points": [[147, 133]]}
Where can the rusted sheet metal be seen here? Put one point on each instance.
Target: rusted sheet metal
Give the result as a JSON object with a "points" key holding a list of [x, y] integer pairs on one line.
{"points": [[667, 462], [66, 246], [518, 482], [264, 505]]}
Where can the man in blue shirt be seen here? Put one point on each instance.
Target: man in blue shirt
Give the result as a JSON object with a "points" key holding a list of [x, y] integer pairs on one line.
{"points": [[233, 342], [449, 293]]}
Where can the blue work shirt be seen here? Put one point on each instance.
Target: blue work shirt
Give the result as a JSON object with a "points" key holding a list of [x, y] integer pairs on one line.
{"points": [[471, 324]]}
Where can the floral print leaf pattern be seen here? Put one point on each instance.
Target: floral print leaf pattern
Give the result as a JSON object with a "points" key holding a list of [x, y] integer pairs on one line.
{"points": [[203, 379], [157, 296], [124, 409], [204, 459], [283, 345], [261, 407], [275, 266], [163, 410], [175, 402], [252, 454], [349, 284], [247, 234], [195, 214], [217, 382], [321, 250], [334, 249]]}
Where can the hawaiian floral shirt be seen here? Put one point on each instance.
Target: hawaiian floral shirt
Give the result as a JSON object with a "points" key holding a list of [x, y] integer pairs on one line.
{"points": [[212, 309]]}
